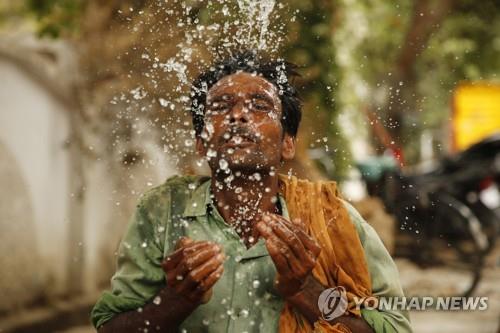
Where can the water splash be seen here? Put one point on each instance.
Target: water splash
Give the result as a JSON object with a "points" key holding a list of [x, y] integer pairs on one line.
{"points": [[174, 41], [257, 17]]}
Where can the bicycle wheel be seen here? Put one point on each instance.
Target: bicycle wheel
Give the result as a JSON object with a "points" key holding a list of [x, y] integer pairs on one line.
{"points": [[458, 242], [489, 220], [443, 240]]}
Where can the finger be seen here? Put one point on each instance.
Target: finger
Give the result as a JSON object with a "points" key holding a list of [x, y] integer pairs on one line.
{"points": [[310, 243], [290, 238], [173, 259], [307, 241], [299, 259], [204, 290], [298, 223], [192, 261], [201, 272], [298, 229], [211, 279], [183, 242], [193, 278], [264, 230], [191, 281], [295, 225], [280, 261], [298, 266], [175, 271]]}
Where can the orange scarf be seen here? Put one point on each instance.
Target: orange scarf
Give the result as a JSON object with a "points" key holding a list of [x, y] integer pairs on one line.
{"points": [[341, 261]]}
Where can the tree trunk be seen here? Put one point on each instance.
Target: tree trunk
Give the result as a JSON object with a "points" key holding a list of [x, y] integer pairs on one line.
{"points": [[426, 19]]}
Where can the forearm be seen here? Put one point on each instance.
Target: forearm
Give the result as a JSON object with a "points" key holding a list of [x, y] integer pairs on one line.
{"points": [[164, 314], [306, 301]]}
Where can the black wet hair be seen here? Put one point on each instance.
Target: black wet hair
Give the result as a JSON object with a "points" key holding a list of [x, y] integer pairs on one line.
{"points": [[278, 72]]}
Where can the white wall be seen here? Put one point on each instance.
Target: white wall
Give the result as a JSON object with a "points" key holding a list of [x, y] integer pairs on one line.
{"points": [[39, 153], [34, 127]]}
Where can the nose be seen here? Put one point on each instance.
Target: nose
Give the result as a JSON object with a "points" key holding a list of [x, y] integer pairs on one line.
{"points": [[238, 113]]}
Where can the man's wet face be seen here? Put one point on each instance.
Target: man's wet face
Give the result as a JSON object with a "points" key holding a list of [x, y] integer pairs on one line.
{"points": [[243, 128]]}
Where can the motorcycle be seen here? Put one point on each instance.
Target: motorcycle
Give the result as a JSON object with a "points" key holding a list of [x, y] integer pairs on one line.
{"points": [[447, 215]]}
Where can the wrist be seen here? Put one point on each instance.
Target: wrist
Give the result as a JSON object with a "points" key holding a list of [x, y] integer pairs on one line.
{"points": [[306, 298], [184, 304], [308, 286]]}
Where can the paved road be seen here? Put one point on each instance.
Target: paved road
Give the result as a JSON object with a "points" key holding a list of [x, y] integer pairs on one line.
{"points": [[487, 321]]}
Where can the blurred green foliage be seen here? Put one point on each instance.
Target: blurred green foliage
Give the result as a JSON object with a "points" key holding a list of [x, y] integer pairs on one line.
{"points": [[314, 49], [53, 18], [348, 51], [465, 48]]}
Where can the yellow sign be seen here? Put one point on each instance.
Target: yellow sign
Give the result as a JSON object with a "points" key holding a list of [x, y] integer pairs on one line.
{"points": [[476, 113]]}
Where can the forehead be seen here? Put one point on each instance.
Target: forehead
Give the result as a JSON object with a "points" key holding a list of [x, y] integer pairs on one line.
{"points": [[243, 83]]}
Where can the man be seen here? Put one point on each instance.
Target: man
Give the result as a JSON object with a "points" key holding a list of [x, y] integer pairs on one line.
{"points": [[222, 253]]}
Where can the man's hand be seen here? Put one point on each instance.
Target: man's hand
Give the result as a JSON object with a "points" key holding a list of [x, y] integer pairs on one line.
{"points": [[292, 250], [193, 268], [191, 271]]}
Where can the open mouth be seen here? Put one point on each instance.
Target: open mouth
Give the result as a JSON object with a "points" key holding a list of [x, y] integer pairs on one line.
{"points": [[239, 141], [239, 138]]}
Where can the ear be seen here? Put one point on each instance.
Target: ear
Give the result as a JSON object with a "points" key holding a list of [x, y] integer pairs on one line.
{"points": [[288, 147], [200, 147]]}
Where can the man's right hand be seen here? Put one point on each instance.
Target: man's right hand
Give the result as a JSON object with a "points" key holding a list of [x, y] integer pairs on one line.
{"points": [[193, 268], [191, 272]]}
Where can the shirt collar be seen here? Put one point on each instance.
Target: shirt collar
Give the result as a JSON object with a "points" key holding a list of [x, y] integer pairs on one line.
{"points": [[200, 201], [197, 204]]}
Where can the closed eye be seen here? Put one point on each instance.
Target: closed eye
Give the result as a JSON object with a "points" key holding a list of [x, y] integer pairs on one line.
{"points": [[259, 106], [261, 102]]}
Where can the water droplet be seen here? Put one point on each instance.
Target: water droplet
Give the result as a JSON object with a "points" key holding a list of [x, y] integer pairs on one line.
{"points": [[244, 313], [163, 102], [223, 164], [211, 153]]}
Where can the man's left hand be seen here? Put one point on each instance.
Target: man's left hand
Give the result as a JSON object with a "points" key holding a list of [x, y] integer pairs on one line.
{"points": [[292, 250]]}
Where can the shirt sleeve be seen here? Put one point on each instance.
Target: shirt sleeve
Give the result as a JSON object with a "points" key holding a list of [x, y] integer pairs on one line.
{"points": [[384, 276], [139, 276]]}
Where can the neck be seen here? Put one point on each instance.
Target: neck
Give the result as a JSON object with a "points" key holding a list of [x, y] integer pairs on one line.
{"points": [[243, 197]]}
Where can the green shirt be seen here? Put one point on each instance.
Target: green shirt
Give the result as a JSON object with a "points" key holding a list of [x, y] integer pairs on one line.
{"points": [[243, 299]]}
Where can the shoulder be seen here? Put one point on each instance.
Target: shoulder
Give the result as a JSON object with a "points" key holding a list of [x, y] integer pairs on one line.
{"points": [[172, 189], [380, 263], [157, 206], [362, 227]]}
